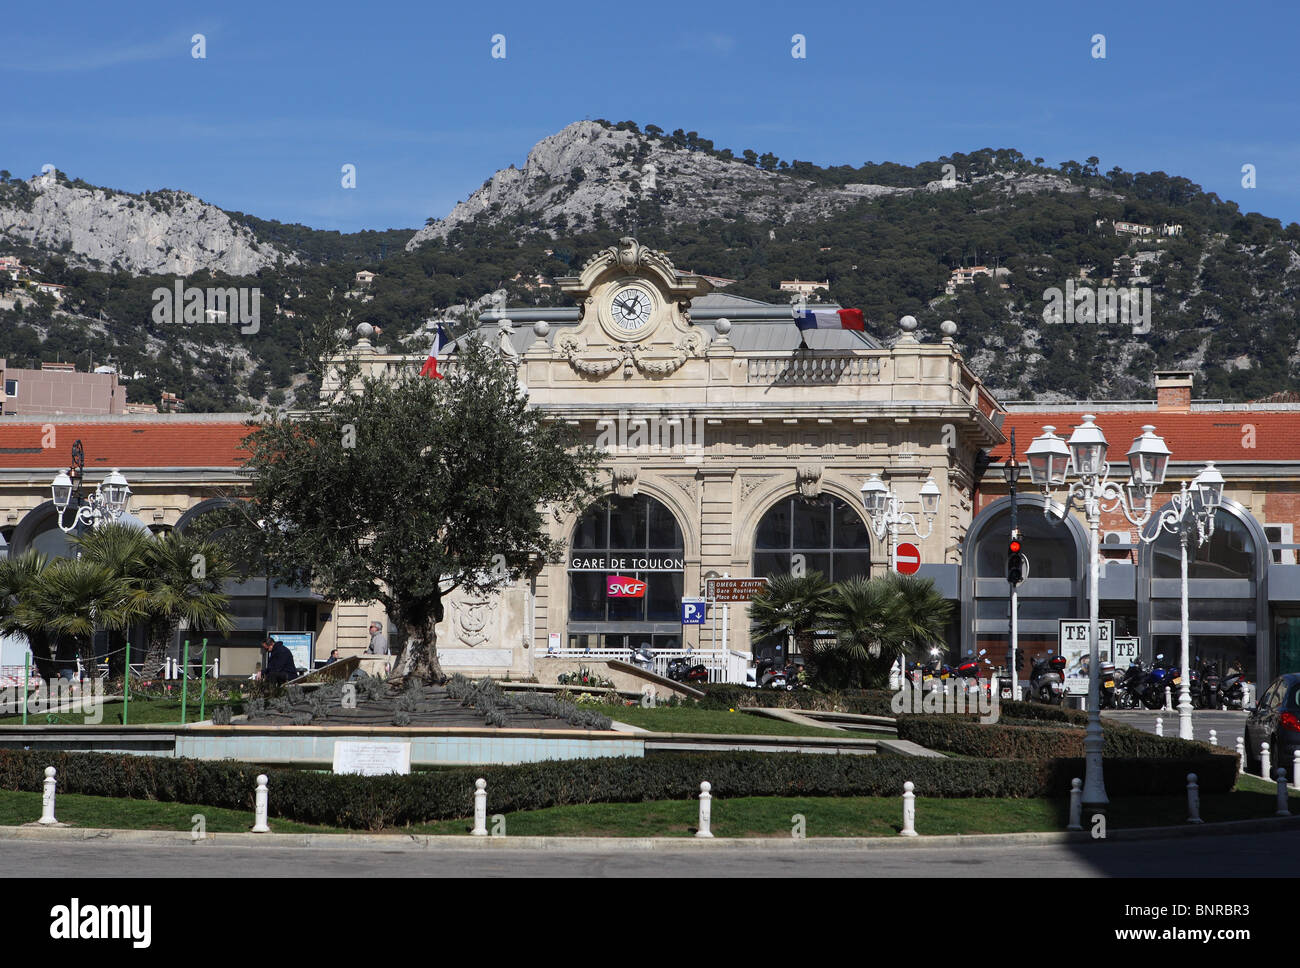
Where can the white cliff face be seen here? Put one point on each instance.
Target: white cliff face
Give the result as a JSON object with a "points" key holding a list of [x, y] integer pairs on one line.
{"points": [[618, 169], [164, 232]]}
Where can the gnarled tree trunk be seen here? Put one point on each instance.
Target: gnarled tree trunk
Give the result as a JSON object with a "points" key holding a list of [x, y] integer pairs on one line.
{"points": [[419, 656]]}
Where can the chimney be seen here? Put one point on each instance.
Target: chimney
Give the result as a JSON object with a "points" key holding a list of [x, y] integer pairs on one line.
{"points": [[1173, 391]]}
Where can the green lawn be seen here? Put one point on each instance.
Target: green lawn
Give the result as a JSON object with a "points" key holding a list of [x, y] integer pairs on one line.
{"points": [[142, 711], [744, 817], [686, 719]]}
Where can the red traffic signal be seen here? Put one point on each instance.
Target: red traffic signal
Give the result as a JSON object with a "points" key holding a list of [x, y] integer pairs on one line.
{"points": [[1015, 547]]}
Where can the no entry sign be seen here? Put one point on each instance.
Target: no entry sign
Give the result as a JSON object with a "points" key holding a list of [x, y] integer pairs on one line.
{"points": [[909, 559]]}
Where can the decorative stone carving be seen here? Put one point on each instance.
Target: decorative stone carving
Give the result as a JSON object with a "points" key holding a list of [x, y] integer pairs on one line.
{"points": [[747, 485], [808, 478], [571, 346], [474, 618], [687, 484], [625, 481]]}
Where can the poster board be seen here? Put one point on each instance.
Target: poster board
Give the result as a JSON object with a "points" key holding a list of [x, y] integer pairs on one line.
{"points": [[1073, 644]]}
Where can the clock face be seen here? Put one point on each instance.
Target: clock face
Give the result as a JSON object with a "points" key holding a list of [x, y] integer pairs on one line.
{"points": [[630, 309]]}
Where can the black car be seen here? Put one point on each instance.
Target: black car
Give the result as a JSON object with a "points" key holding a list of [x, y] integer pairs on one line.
{"points": [[1275, 720]]}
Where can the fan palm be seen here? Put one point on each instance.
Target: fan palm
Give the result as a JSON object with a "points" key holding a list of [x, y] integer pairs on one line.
{"points": [[123, 550], [73, 597], [187, 575], [791, 605], [876, 621]]}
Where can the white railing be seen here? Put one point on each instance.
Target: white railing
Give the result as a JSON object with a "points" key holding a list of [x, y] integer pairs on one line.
{"points": [[813, 370], [724, 665]]}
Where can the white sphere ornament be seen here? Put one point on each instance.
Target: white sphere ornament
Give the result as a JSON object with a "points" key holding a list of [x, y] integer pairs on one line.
{"points": [[907, 324], [948, 328], [365, 330], [541, 328], [723, 326]]}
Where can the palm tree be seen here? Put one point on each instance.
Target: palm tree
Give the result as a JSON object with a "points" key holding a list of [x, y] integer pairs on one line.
{"points": [[17, 577], [187, 575], [74, 597], [876, 621], [123, 550], [791, 605]]}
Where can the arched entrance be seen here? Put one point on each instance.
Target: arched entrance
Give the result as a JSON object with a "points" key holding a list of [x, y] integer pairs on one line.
{"points": [[638, 538], [1054, 589], [1227, 597]]}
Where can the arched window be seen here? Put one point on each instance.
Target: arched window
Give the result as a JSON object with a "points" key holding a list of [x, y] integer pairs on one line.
{"points": [[828, 533], [635, 537]]}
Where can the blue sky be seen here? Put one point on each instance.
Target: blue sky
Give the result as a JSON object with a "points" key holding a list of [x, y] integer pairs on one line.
{"points": [[409, 93]]}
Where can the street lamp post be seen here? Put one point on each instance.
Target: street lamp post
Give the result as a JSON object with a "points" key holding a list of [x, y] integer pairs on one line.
{"points": [[1011, 473], [886, 515], [1050, 460], [1192, 508], [106, 504]]}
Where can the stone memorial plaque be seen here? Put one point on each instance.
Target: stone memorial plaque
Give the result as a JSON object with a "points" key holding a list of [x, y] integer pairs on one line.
{"points": [[372, 759]]}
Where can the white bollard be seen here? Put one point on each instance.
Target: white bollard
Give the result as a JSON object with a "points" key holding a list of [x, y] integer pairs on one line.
{"points": [[1241, 754], [1214, 737], [1282, 810], [259, 806], [1193, 800], [1169, 703], [1076, 805], [1295, 768], [480, 808], [1160, 726], [1265, 761], [909, 810], [216, 668], [47, 798], [706, 810]]}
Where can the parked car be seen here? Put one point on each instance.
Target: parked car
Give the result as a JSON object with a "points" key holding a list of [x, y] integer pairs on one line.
{"points": [[1275, 719]]}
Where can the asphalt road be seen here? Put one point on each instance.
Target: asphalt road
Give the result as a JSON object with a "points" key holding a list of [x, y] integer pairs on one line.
{"points": [[1229, 724], [1252, 855]]}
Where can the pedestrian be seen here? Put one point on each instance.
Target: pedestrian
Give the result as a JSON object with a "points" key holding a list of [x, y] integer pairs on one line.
{"points": [[280, 667], [378, 640]]}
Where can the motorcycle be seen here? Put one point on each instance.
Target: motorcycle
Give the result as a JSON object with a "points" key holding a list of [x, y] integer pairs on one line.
{"points": [[1047, 679], [1129, 690], [1232, 690], [682, 670], [1106, 687], [1160, 678]]}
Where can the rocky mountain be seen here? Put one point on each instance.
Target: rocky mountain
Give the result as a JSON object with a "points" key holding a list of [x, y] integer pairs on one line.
{"points": [[592, 173], [165, 232]]}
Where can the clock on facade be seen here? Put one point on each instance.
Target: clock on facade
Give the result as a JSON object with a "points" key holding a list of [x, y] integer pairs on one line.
{"points": [[629, 309]]}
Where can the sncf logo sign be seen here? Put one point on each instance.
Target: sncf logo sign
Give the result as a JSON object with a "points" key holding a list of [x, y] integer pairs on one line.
{"points": [[620, 587]]}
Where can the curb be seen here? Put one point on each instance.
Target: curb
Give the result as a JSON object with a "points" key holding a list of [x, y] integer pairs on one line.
{"points": [[163, 838]]}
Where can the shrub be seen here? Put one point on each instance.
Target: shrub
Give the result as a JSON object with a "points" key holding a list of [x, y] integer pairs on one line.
{"points": [[377, 802]]}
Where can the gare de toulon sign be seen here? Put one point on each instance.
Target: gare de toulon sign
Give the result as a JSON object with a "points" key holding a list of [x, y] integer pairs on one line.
{"points": [[625, 563]]}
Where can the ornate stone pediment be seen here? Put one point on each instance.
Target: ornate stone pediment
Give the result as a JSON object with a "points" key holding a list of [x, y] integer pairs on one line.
{"points": [[634, 308]]}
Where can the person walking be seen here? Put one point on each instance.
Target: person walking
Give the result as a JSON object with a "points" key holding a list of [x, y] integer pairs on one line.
{"points": [[378, 640]]}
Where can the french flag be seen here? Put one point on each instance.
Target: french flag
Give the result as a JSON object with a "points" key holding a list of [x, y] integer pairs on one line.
{"points": [[807, 319], [430, 368]]}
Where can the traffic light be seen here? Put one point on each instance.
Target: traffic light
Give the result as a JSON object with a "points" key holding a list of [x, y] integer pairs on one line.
{"points": [[1015, 561]]}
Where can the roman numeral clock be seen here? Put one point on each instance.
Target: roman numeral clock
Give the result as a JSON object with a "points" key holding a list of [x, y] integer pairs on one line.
{"points": [[634, 309]]}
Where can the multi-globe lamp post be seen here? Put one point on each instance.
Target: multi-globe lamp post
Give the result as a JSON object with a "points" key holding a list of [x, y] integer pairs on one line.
{"points": [[886, 516], [1050, 460], [1191, 509], [106, 504]]}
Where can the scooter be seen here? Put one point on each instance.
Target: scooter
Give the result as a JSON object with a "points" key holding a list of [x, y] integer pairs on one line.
{"points": [[1129, 689], [1232, 690], [1207, 696], [1047, 679], [1106, 687]]}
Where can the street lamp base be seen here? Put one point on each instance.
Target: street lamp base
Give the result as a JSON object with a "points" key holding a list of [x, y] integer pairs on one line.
{"points": [[1090, 810]]}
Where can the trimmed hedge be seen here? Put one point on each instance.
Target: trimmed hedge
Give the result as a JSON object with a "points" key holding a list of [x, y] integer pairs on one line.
{"points": [[373, 803], [870, 702], [1136, 762]]}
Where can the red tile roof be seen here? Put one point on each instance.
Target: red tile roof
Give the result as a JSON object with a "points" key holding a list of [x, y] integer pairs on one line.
{"points": [[1223, 435], [128, 444]]}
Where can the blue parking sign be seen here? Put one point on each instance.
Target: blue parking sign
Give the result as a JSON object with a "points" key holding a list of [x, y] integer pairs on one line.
{"points": [[693, 611]]}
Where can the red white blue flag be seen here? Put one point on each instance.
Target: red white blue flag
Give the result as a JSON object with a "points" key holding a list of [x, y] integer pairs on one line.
{"points": [[830, 319], [440, 340]]}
